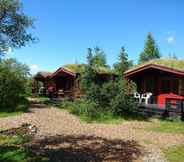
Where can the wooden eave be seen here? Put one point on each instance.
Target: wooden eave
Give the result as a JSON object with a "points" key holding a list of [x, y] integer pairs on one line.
{"points": [[63, 70], [134, 71]]}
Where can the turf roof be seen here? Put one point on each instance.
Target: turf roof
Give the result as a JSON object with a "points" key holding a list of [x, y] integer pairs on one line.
{"points": [[79, 68], [170, 63]]}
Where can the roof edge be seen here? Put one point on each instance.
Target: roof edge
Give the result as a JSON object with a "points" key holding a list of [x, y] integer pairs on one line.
{"points": [[155, 66], [62, 69]]}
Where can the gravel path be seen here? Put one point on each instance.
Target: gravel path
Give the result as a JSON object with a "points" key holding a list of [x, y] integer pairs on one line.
{"points": [[54, 122]]}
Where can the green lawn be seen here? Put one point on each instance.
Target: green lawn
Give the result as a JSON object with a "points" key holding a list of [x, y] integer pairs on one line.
{"points": [[6, 114], [103, 118], [168, 127], [175, 154], [12, 150]]}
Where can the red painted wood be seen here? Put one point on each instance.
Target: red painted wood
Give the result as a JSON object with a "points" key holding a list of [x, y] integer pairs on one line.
{"points": [[162, 98], [63, 70]]}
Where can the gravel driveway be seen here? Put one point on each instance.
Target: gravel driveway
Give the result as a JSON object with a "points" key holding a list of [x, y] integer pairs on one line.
{"points": [[53, 122]]}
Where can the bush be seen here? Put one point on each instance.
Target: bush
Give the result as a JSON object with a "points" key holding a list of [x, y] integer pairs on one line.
{"points": [[13, 79], [106, 91], [112, 97]]}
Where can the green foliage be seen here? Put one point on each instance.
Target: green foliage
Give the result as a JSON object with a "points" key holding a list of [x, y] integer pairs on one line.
{"points": [[175, 154], [124, 64], [13, 26], [96, 63], [150, 51], [122, 103], [96, 57], [13, 83], [12, 150], [89, 111], [110, 95]]}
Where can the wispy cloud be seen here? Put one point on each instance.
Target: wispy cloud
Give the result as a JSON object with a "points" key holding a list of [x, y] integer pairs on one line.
{"points": [[171, 39], [34, 68]]}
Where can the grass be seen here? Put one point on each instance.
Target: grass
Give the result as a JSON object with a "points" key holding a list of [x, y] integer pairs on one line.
{"points": [[78, 108], [87, 113], [12, 150], [102, 118], [174, 154], [7, 114], [43, 99], [168, 127]]}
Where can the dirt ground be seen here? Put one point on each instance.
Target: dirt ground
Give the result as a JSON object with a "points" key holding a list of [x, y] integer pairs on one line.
{"points": [[64, 135]]}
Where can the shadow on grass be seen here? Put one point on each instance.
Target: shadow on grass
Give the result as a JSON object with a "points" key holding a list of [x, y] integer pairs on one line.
{"points": [[85, 148]]}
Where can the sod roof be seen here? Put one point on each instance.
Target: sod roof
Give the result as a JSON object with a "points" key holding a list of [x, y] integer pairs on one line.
{"points": [[169, 63], [79, 68]]}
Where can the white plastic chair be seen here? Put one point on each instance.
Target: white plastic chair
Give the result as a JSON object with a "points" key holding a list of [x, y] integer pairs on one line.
{"points": [[137, 96], [146, 97]]}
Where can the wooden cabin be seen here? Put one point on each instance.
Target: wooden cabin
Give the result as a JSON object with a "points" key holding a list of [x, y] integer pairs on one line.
{"points": [[164, 79], [65, 81], [43, 78]]}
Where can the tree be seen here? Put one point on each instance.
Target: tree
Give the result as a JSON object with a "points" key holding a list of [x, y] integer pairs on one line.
{"points": [[124, 63], [95, 59], [106, 96], [13, 84], [13, 26], [150, 51]]}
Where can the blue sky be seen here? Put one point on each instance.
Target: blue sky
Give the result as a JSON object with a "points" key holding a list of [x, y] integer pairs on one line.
{"points": [[66, 28]]}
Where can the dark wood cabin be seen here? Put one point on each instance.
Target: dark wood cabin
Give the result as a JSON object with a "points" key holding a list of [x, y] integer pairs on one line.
{"points": [[66, 82], [43, 78], [165, 83]]}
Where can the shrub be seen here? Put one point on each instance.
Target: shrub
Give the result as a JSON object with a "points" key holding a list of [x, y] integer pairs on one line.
{"points": [[13, 79], [109, 95]]}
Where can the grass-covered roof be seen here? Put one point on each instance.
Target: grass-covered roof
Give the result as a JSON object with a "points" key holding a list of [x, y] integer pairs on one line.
{"points": [[79, 68], [170, 63], [75, 68]]}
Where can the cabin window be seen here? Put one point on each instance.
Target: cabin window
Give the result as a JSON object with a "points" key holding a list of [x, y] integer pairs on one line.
{"points": [[175, 86], [165, 86]]}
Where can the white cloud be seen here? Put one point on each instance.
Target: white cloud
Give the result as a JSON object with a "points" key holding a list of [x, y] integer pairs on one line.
{"points": [[34, 68], [171, 39], [9, 50]]}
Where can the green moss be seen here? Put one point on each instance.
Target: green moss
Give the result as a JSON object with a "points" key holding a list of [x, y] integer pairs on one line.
{"points": [[174, 154]]}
